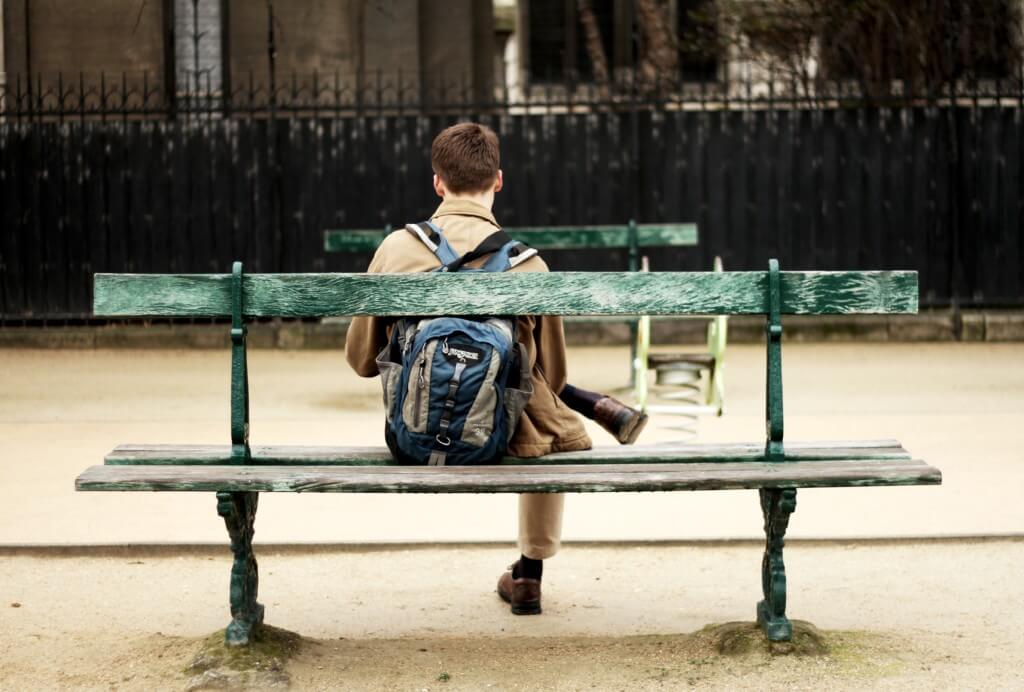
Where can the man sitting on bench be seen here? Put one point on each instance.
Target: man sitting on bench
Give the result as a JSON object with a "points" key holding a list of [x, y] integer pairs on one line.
{"points": [[467, 174]]}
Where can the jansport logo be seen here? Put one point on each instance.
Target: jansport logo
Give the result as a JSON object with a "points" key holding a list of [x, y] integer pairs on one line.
{"points": [[462, 354]]}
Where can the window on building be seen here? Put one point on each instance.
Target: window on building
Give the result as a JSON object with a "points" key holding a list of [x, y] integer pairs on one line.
{"points": [[559, 47], [698, 39], [198, 63]]}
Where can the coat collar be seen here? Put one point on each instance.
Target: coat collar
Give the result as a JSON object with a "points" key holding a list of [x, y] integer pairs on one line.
{"points": [[464, 207]]}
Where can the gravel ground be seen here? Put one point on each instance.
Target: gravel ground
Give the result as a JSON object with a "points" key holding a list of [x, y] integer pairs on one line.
{"points": [[893, 615], [925, 614]]}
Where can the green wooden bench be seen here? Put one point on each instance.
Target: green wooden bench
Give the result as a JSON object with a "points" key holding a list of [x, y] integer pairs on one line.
{"points": [[237, 473], [632, 236]]}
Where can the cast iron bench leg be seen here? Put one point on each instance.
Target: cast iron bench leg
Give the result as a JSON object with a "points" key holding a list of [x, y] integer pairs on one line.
{"points": [[776, 505], [239, 512]]}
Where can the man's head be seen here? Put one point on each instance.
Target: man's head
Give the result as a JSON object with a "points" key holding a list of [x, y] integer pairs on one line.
{"points": [[466, 161]]}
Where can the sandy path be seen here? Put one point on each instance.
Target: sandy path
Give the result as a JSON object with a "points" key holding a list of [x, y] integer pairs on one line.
{"points": [[937, 615], [958, 406]]}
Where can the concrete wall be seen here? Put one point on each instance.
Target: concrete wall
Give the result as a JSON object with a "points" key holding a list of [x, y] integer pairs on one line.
{"points": [[308, 34], [457, 46], [90, 36], [392, 41]]}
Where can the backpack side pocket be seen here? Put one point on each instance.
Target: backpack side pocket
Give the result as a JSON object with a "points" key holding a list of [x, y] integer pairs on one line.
{"points": [[390, 374], [480, 419], [518, 393]]}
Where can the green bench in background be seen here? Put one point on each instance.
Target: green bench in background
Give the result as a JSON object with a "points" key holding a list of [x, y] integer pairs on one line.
{"points": [[634, 238], [237, 473], [631, 236]]}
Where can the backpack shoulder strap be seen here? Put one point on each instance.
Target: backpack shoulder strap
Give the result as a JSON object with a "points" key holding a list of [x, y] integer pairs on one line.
{"points": [[432, 236], [508, 256], [506, 252]]}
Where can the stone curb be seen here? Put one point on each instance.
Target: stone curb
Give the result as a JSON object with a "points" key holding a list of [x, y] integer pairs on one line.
{"points": [[992, 326]]}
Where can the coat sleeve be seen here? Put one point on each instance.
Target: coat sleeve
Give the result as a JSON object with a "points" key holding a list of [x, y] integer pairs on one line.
{"points": [[549, 336], [366, 336]]}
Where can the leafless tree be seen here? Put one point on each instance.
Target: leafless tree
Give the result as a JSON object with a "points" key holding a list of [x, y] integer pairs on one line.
{"points": [[592, 41]]}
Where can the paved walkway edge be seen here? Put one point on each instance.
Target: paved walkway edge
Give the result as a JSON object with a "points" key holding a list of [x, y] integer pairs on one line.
{"points": [[176, 549]]}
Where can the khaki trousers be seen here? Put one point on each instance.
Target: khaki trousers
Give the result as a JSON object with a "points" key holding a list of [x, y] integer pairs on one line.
{"points": [[540, 524]]}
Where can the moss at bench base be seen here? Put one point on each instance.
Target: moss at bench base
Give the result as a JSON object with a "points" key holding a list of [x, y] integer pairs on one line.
{"points": [[743, 638], [259, 665]]}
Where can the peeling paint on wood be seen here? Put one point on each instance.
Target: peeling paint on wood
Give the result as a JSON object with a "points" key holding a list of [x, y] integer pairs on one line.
{"points": [[510, 479], [679, 453], [556, 293]]}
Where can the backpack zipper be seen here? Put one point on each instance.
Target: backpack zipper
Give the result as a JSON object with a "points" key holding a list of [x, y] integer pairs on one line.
{"points": [[420, 386]]}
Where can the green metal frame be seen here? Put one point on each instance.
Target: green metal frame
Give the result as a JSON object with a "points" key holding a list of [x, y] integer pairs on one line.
{"points": [[777, 504], [240, 452], [239, 512], [239, 508], [717, 337]]}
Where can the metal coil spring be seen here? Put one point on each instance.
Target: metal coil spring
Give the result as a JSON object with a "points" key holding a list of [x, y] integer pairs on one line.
{"points": [[678, 394]]}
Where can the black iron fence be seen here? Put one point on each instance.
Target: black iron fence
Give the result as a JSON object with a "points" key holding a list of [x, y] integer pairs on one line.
{"points": [[117, 176]]}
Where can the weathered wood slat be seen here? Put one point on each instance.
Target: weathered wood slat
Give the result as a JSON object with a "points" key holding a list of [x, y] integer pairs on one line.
{"points": [[556, 293], [543, 238], [280, 455], [510, 479], [356, 240]]}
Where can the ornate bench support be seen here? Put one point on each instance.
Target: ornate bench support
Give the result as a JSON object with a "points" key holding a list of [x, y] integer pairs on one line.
{"points": [[776, 505], [239, 512], [239, 508]]}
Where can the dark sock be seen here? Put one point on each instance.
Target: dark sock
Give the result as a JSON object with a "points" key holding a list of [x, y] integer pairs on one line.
{"points": [[528, 568], [580, 400]]}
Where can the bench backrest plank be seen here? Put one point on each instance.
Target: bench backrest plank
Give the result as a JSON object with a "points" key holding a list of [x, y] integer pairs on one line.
{"points": [[544, 237], [555, 293]]}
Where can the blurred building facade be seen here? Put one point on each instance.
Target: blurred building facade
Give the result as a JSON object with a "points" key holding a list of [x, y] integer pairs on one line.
{"points": [[180, 47]]}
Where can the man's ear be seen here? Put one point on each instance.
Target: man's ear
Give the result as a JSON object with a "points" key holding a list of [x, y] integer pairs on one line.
{"points": [[499, 182], [439, 186]]}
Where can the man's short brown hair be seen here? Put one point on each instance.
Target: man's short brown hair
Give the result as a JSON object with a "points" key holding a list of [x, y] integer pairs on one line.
{"points": [[466, 157]]}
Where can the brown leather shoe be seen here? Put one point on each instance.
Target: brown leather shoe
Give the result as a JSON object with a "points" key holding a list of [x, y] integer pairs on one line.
{"points": [[623, 422], [522, 594]]}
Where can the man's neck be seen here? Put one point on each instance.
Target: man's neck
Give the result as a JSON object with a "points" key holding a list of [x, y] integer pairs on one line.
{"points": [[484, 199]]}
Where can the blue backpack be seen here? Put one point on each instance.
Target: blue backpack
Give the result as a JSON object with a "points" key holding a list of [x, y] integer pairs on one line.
{"points": [[454, 388]]}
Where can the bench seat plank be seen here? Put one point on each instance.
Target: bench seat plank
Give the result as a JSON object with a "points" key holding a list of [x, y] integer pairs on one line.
{"points": [[511, 479], [512, 293], [284, 455]]}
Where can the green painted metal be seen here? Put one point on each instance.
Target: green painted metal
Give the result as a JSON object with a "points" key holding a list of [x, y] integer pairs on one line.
{"points": [[633, 242], [240, 452], [635, 325], [773, 450], [510, 293], [718, 335], [630, 236], [239, 512], [777, 504], [677, 453]]}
